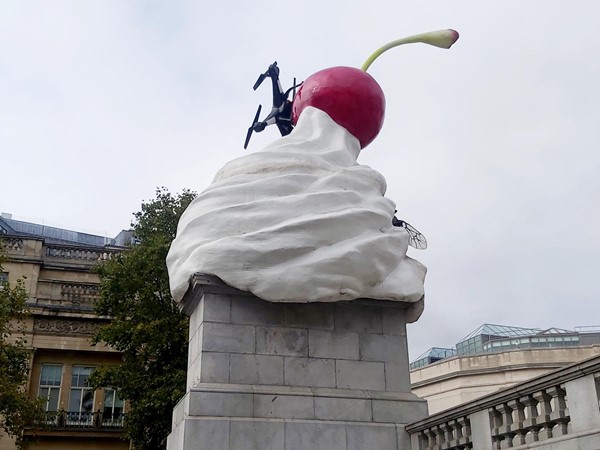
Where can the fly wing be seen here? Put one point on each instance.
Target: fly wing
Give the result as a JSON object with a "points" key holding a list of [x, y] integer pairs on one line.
{"points": [[416, 238]]}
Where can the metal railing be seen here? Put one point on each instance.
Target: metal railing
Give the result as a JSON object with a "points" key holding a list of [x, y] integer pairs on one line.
{"points": [[84, 420]]}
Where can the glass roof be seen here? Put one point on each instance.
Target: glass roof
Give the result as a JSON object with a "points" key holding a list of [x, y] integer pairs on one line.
{"points": [[557, 331], [437, 352], [501, 330]]}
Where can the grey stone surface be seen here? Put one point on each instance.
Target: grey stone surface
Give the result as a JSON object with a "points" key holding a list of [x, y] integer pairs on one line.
{"points": [[210, 433], [314, 372], [301, 435], [178, 413], [583, 404], [295, 376], [193, 373], [333, 344], [398, 412], [381, 347], [282, 341], [309, 315], [252, 310], [256, 369], [228, 338], [360, 375], [175, 438], [284, 406], [220, 404], [481, 433], [397, 377], [252, 434], [394, 321], [195, 344], [404, 439], [352, 409], [364, 319], [375, 437], [215, 308], [214, 367]]}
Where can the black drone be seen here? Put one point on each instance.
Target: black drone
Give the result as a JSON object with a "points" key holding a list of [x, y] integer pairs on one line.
{"points": [[415, 238], [281, 113]]}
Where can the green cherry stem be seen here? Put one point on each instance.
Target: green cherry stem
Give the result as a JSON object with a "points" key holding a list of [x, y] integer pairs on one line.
{"points": [[441, 38]]}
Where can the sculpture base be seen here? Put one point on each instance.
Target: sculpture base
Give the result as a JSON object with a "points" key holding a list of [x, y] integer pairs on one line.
{"points": [[313, 376]]}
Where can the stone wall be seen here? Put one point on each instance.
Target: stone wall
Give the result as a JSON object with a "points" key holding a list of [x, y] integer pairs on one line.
{"points": [[268, 375]]}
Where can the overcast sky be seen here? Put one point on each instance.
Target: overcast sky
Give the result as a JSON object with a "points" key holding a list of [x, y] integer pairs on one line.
{"points": [[489, 148]]}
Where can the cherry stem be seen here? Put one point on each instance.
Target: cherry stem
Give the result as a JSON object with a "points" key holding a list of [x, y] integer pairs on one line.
{"points": [[441, 38]]}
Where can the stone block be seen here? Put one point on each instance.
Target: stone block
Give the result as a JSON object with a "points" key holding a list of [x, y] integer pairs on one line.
{"points": [[397, 377], [309, 315], [306, 435], [394, 321], [193, 372], [363, 319], [228, 338], [282, 341], [351, 409], [214, 367], [360, 375], [398, 412], [381, 347], [262, 434], [234, 404], [284, 406], [256, 369], [175, 438], [314, 372], [251, 310], [215, 308], [333, 344], [404, 439], [212, 433], [375, 436]]}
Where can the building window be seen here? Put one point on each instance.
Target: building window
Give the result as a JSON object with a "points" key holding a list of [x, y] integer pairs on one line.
{"points": [[50, 385], [3, 279], [112, 416], [81, 399]]}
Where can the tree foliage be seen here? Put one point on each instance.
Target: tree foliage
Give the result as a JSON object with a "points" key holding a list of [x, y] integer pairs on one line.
{"points": [[17, 410], [147, 326]]}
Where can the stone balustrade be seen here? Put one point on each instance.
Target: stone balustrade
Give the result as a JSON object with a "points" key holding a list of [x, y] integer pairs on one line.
{"points": [[80, 254], [78, 293], [547, 412], [12, 244]]}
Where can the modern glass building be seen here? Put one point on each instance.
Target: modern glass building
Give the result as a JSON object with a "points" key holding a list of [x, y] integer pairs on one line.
{"points": [[490, 338], [432, 355]]}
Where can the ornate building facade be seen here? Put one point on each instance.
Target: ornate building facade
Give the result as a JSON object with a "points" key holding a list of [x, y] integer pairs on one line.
{"points": [[56, 266]]}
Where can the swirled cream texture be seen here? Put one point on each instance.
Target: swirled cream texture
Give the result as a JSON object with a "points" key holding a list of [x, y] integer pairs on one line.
{"points": [[299, 221]]}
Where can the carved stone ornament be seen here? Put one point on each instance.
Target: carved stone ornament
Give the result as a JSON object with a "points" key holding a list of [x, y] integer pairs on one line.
{"points": [[65, 326]]}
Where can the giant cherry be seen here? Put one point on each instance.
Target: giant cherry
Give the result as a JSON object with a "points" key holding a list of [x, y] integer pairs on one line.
{"points": [[352, 97]]}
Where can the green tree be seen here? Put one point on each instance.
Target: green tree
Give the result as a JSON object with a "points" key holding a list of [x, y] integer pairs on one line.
{"points": [[147, 326], [17, 410]]}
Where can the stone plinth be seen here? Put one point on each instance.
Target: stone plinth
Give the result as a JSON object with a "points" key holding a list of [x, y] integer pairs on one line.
{"points": [[265, 375]]}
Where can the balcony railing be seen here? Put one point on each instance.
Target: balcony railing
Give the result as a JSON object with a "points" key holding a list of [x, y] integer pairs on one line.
{"points": [[83, 254], [84, 420], [546, 412]]}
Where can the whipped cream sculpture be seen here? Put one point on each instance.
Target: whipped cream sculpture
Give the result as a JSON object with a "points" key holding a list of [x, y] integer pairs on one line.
{"points": [[301, 220]]}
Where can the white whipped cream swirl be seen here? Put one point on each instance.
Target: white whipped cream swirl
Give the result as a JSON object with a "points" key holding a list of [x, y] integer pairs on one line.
{"points": [[299, 221]]}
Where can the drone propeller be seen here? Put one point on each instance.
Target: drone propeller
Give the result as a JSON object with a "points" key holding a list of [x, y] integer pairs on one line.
{"points": [[293, 88], [251, 129], [261, 78]]}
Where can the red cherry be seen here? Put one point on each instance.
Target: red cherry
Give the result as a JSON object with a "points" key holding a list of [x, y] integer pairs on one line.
{"points": [[350, 96]]}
